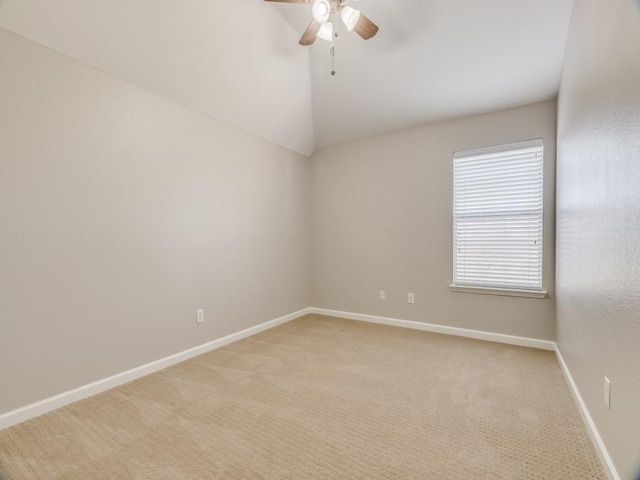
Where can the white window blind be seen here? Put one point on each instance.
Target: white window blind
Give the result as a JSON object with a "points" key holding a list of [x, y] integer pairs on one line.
{"points": [[497, 209]]}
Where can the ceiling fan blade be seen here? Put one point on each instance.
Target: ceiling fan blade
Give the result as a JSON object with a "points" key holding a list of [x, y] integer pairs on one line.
{"points": [[365, 27], [310, 33], [288, 1]]}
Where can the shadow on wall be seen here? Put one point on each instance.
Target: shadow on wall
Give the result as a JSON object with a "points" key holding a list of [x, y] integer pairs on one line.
{"points": [[637, 469]]}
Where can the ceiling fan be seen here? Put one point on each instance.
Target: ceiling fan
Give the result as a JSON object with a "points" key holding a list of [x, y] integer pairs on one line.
{"points": [[324, 23]]}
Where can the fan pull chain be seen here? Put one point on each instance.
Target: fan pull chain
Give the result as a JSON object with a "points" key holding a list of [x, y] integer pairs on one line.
{"points": [[334, 20], [333, 60]]}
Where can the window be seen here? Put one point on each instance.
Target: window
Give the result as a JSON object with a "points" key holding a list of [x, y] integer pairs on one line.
{"points": [[497, 220]]}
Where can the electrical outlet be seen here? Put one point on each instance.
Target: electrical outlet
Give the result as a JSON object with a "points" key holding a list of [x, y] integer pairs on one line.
{"points": [[411, 298], [383, 295], [199, 316], [607, 392]]}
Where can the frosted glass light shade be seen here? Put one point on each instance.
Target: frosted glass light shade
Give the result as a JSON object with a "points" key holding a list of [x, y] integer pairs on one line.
{"points": [[350, 17], [321, 10], [326, 31]]}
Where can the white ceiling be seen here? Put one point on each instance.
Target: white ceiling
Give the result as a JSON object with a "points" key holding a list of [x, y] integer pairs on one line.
{"points": [[239, 61]]}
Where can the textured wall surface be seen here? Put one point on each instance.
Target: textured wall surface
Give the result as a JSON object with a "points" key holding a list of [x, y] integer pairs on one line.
{"points": [[121, 213], [598, 212], [382, 220]]}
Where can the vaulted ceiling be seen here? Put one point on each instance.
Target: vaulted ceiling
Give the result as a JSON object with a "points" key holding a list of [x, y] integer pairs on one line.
{"points": [[239, 60]]}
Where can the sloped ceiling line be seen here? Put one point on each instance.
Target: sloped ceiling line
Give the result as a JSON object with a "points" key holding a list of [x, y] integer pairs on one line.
{"points": [[239, 60]]}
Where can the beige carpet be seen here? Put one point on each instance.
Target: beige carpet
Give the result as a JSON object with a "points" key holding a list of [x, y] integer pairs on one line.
{"points": [[321, 398]]}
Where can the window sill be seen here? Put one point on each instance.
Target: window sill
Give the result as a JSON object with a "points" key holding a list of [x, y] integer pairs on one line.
{"points": [[499, 291]]}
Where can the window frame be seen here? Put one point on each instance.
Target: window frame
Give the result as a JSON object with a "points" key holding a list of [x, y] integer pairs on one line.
{"points": [[491, 289]]}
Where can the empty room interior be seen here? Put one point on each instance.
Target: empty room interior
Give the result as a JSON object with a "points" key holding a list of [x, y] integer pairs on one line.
{"points": [[319, 239]]}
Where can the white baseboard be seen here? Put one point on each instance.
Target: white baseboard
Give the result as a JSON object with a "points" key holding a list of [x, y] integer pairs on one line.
{"points": [[430, 327], [35, 409], [601, 449]]}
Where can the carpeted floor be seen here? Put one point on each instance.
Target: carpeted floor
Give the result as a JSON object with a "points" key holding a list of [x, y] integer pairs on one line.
{"points": [[322, 398]]}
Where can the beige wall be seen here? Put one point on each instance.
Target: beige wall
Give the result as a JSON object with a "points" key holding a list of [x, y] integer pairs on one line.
{"points": [[121, 213], [599, 218], [382, 220]]}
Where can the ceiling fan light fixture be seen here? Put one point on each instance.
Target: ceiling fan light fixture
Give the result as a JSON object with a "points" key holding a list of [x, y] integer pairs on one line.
{"points": [[350, 17], [326, 31], [321, 10]]}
